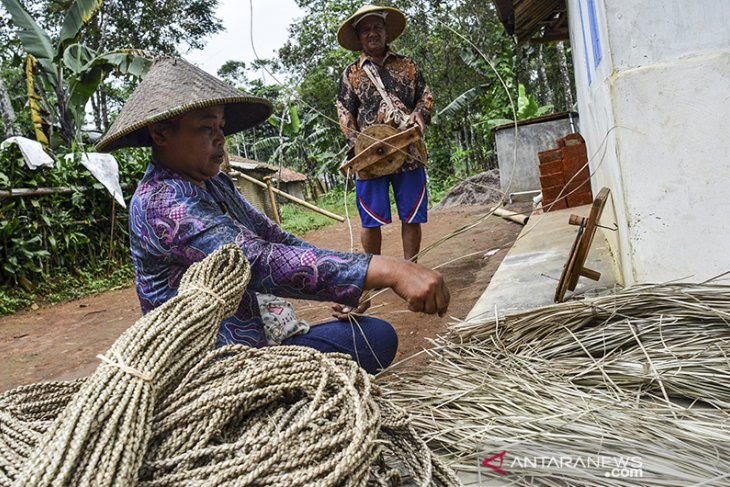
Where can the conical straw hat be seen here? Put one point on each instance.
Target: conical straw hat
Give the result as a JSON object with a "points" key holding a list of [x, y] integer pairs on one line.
{"points": [[171, 88], [395, 24]]}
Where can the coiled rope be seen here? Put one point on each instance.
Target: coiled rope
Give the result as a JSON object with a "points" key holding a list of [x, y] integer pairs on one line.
{"points": [[166, 408]]}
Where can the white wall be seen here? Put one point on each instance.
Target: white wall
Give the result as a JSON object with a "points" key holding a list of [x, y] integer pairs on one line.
{"points": [[655, 118]]}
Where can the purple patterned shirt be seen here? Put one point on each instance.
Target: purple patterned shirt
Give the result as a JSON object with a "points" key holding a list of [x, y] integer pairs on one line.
{"points": [[174, 223]]}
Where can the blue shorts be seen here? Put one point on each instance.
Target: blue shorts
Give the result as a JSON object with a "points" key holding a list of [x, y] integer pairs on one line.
{"points": [[411, 198]]}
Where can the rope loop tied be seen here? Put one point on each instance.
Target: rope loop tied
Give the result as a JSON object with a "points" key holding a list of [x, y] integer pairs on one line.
{"points": [[208, 291], [119, 363]]}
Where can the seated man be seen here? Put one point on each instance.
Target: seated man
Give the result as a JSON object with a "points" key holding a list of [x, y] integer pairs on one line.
{"points": [[184, 208]]}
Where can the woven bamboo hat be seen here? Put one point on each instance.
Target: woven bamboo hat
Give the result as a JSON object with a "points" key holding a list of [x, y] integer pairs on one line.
{"points": [[395, 24], [173, 87]]}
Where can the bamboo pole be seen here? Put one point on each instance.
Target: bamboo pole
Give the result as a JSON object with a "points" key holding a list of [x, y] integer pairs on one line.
{"points": [[272, 199], [27, 192], [111, 231], [23, 192], [512, 216], [291, 198]]}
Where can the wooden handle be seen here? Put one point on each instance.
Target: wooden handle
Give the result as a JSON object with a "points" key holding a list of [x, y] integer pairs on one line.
{"points": [[272, 199], [576, 220], [590, 274], [381, 149]]}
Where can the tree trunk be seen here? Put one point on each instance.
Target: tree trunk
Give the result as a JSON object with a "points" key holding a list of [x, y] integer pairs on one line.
{"points": [[457, 136], [522, 69], [460, 144], [104, 108], [96, 110], [7, 113], [253, 144], [568, 93], [68, 125], [548, 97], [471, 149]]}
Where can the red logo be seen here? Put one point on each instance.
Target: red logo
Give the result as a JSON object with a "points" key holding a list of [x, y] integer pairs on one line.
{"points": [[487, 462]]}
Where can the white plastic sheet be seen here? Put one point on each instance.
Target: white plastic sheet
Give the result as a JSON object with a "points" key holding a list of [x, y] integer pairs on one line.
{"points": [[32, 150], [105, 169]]}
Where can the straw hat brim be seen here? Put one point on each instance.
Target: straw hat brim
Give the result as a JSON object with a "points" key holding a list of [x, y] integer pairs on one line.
{"points": [[395, 24], [172, 88]]}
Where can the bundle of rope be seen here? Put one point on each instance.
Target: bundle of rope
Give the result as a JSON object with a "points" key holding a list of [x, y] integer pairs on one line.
{"points": [[166, 408]]}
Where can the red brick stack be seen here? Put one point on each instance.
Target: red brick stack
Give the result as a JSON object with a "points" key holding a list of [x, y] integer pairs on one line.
{"points": [[557, 167]]}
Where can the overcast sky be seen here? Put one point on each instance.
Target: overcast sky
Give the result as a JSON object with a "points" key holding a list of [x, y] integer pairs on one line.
{"points": [[271, 19]]}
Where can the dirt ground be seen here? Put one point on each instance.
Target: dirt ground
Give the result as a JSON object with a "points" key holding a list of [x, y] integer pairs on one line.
{"points": [[60, 342]]}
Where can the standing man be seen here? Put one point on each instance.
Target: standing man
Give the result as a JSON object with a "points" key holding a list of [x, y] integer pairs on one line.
{"points": [[382, 87]]}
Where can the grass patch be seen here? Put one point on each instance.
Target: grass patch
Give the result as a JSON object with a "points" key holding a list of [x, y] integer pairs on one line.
{"points": [[437, 189], [64, 287], [298, 220]]}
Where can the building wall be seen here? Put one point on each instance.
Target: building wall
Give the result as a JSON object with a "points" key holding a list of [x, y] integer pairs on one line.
{"points": [[295, 188], [531, 139], [653, 83], [255, 195]]}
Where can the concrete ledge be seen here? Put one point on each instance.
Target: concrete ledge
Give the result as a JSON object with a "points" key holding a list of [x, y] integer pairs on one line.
{"points": [[528, 276]]}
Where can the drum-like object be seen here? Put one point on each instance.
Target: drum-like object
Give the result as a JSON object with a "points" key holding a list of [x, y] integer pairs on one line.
{"points": [[382, 149]]}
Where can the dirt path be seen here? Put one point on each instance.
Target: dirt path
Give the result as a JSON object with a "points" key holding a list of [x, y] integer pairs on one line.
{"points": [[61, 342]]}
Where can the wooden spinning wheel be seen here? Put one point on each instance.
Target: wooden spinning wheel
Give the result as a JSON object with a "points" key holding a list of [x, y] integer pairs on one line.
{"points": [[381, 150], [575, 266]]}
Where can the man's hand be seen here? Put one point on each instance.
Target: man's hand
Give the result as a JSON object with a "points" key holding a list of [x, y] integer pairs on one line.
{"points": [[417, 119], [422, 288]]}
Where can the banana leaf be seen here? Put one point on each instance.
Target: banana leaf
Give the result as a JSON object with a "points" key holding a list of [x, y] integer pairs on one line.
{"points": [[461, 102], [80, 13], [35, 40], [77, 56], [87, 78]]}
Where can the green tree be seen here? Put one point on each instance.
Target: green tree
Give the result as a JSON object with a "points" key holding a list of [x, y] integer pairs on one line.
{"points": [[234, 72], [62, 76], [171, 27], [312, 53]]}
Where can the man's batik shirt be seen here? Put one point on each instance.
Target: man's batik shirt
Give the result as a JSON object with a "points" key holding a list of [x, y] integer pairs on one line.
{"points": [[174, 223], [359, 104]]}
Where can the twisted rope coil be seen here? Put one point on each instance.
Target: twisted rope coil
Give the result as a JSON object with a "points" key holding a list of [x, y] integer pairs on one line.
{"points": [[166, 408]]}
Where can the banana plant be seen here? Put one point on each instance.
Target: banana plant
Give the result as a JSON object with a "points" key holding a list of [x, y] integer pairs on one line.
{"points": [[470, 96], [301, 138], [61, 78], [288, 124], [527, 106], [290, 134]]}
